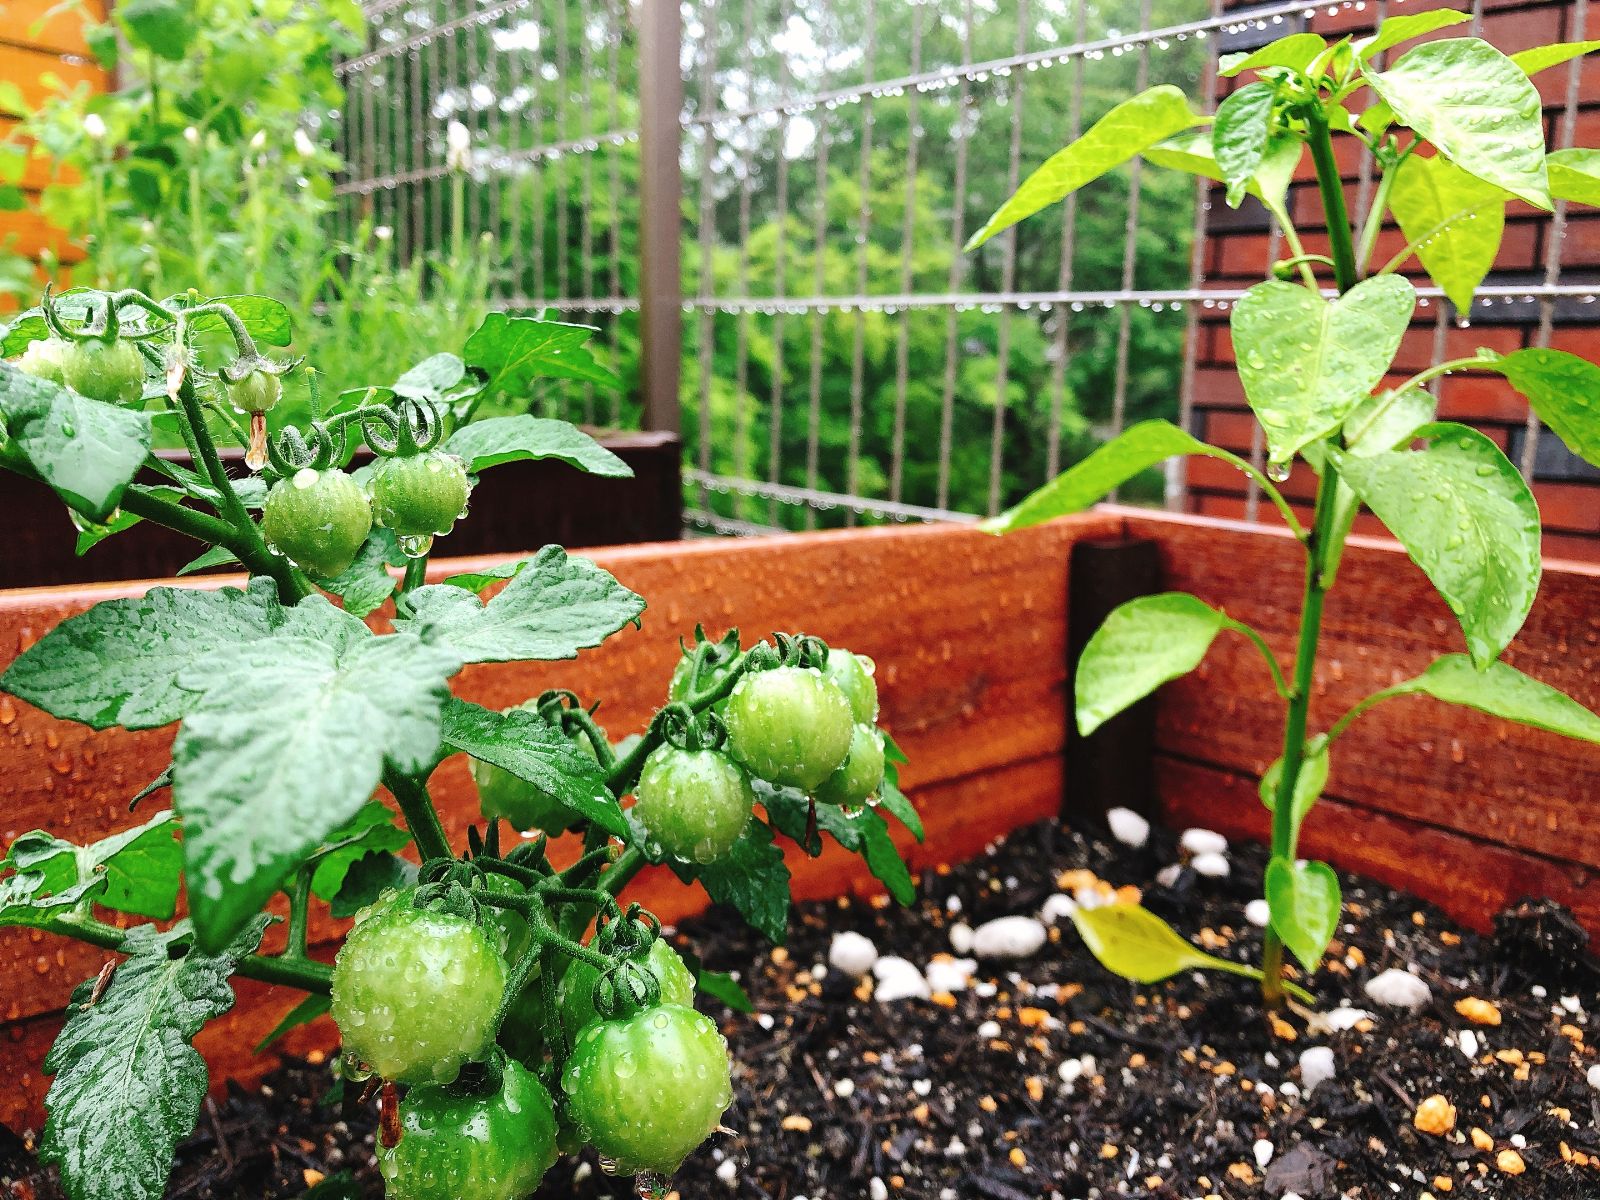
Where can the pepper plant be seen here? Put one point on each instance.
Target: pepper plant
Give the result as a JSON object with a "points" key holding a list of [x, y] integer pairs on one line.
{"points": [[469, 994], [1455, 131]]}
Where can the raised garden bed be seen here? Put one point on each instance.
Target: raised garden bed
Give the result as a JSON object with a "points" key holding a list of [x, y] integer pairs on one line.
{"points": [[971, 635]]}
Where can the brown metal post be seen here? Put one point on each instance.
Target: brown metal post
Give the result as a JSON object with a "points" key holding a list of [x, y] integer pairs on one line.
{"points": [[660, 221]]}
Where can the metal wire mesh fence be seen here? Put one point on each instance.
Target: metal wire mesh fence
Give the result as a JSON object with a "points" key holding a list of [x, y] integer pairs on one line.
{"points": [[842, 360]]}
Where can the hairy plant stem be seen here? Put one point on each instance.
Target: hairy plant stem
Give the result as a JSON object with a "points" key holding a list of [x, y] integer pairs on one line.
{"points": [[411, 794], [1323, 531], [291, 970]]}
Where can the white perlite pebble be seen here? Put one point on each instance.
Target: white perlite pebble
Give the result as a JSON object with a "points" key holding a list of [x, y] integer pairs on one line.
{"points": [[1168, 875], [1128, 827], [852, 953], [1088, 898], [950, 974], [728, 1172], [1258, 913], [1263, 1151], [1203, 841], [877, 1189], [1338, 1020], [1008, 937], [844, 1088], [961, 937], [1291, 1196], [1400, 989], [1316, 1066], [1210, 863], [1056, 907], [922, 1086], [898, 980], [1468, 1041], [1594, 1077], [581, 1172], [989, 1030]]}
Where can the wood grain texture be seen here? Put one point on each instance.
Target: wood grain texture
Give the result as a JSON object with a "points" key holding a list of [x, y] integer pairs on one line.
{"points": [[1412, 758]]}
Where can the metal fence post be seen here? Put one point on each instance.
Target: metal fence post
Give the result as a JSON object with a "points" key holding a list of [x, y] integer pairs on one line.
{"points": [[660, 219]]}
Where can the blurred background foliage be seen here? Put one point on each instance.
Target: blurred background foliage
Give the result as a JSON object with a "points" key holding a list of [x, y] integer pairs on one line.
{"points": [[212, 166]]}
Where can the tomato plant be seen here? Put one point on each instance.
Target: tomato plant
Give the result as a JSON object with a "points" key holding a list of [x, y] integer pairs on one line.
{"points": [[466, 984], [1454, 129]]}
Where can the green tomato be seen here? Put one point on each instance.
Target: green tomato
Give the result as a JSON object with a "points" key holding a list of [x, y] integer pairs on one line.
{"points": [[318, 519], [694, 803], [853, 674], [861, 773], [523, 804], [647, 1090], [789, 725], [421, 495], [415, 992], [494, 1147], [44, 359], [257, 392], [112, 372], [575, 992]]}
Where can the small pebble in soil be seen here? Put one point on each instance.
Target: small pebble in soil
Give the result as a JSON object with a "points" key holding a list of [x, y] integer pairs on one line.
{"points": [[1008, 937], [852, 953], [1211, 864], [898, 980], [1203, 841], [961, 937], [1128, 827], [1594, 1077], [1259, 913], [1057, 906], [1316, 1067], [1398, 989], [946, 974], [1435, 1115]]}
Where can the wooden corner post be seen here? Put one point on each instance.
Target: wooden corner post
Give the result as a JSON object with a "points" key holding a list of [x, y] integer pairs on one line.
{"points": [[660, 220]]}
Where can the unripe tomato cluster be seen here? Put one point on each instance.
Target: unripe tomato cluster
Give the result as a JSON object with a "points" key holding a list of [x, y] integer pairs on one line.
{"points": [[416, 992]]}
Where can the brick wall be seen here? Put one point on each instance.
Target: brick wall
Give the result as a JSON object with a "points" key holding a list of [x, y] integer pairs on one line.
{"points": [[42, 49], [1237, 250]]}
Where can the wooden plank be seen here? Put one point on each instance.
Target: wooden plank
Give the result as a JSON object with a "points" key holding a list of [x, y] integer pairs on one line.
{"points": [[27, 233], [962, 817], [41, 74], [1413, 757], [1470, 878], [968, 631]]}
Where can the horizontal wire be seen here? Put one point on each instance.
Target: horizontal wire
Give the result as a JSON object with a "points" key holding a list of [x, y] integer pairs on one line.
{"points": [[359, 64], [490, 163], [820, 499], [729, 526]]}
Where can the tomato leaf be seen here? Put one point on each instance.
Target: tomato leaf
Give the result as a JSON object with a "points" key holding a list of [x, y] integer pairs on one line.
{"points": [[286, 742], [751, 878], [266, 319], [1141, 645], [485, 444], [1466, 517], [166, 28], [86, 451], [366, 585], [532, 748], [1304, 900], [139, 866], [556, 605], [1239, 136], [368, 878], [1306, 362], [1454, 219], [26, 900], [128, 1084], [514, 351], [370, 832], [1477, 107], [118, 663], [1127, 130], [1394, 30], [1501, 690], [307, 1011], [719, 985], [1564, 390]]}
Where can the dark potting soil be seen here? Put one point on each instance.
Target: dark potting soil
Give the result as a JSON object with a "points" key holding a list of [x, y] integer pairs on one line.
{"points": [[1047, 1077]]}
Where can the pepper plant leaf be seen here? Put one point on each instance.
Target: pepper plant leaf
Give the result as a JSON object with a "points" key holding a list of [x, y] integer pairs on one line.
{"points": [[1575, 176], [86, 451], [128, 1084], [118, 663], [1131, 941], [1240, 135], [1394, 30], [1308, 785], [1542, 58], [1141, 645], [1501, 690], [1306, 362], [139, 866], [1477, 107], [553, 607], [1454, 219], [488, 443], [1127, 130], [286, 742], [1295, 51], [1466, 517], [1304, 901], [1564, 390], [532, 748]]}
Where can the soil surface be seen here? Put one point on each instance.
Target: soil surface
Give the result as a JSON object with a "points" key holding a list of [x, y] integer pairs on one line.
{"points": [[1047, 1077]]}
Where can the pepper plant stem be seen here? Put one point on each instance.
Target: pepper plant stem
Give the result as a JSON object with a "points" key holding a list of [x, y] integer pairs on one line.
{"points": [[1323, 530]]}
